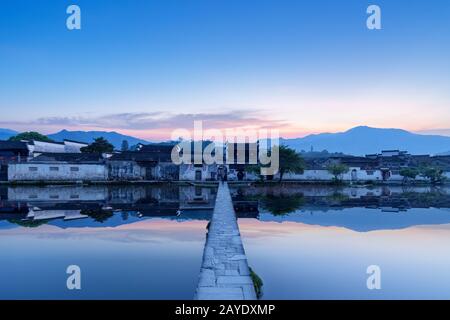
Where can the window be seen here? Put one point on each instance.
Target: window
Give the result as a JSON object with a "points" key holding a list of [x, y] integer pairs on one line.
{"points": [[370, 172], [32, 169], [54, 169], [74, 169], [74, 196], [54, 196]]}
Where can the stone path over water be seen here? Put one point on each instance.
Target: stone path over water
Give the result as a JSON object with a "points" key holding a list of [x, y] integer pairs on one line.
{"points": [[224, 274]]}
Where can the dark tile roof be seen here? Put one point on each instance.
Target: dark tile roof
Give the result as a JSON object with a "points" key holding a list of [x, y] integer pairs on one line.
{"points": [[157, 147], [32, 142], [13, 145], [353, 161], [137, 156], [68, 157]]}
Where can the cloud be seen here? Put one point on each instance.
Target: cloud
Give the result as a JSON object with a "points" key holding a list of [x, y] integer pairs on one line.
{"points": [[150, 121], [159, 120]]}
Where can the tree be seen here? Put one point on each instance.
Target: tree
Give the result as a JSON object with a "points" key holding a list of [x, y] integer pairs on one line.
{"points": [[124, 146], [289, 161], [435, 174], [337, 169], [409, 173], [31, 135], [100, 145]]}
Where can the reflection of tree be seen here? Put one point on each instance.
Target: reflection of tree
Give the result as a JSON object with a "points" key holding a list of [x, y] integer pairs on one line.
{"points": [[98, 215], [28, 223], [125, 215], [282, 204], [338, 196], [432, 198]]}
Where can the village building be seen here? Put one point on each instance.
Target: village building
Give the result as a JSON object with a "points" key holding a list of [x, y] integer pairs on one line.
{"points": [[240, 158], [162, 152], [149, 162], [71, 146], [68, 167], [132, 166], [197, 169], [11, 151], [67, 146]]}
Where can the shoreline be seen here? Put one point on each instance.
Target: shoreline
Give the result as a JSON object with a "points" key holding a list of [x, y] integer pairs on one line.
{"points": [[215, 183]]}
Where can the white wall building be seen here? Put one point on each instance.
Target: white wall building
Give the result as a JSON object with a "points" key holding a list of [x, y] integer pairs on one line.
{"points": [[57, 171], [200, 172], [353, 174]]}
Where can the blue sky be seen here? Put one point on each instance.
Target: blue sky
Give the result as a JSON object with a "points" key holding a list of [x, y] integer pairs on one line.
{"points": [[144, 67]]}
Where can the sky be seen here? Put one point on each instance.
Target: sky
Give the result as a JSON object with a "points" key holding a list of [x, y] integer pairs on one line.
{"points": [[147, 67]]}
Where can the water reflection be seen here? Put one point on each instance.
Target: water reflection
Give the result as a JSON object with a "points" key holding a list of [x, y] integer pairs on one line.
{"points": [[316, 242], [360, 209], [146, 242], [140, 242], [32, 206]]}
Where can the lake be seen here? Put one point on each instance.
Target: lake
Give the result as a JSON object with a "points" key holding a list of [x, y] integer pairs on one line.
{"points": [[146, 242]]}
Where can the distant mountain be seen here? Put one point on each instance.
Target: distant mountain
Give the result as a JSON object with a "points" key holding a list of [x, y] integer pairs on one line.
{"points": [[5, 134], [366, 140], [89, 136]]}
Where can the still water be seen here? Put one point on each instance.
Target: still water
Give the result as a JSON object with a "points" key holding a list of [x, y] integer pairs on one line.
{"points": [[317, 242], [130, 243], [146, 242]]}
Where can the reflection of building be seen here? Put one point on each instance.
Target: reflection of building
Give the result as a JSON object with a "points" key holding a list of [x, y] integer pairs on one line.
{"points": [[326, 198], [30, 203]]}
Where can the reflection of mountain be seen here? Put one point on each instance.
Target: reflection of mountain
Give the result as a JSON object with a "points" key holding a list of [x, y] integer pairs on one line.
{"points": [[357, 209], [364, 219]]}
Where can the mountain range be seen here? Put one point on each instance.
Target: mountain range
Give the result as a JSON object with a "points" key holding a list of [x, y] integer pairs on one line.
{"points": [[5, 134], [356, 141], [364, 140], [89, 136], [83, 136]]}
